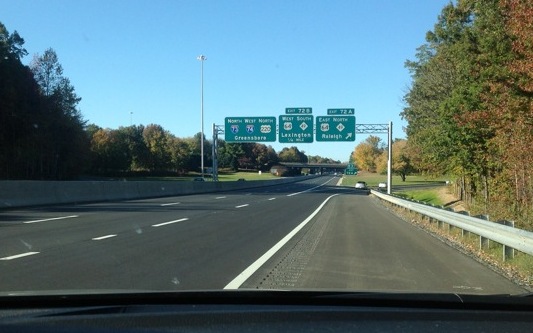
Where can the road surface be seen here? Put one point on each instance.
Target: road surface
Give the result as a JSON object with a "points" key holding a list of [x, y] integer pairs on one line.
{"points": [[307, 235]]}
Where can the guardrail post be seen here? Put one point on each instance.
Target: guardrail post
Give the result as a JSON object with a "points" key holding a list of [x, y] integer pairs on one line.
{"points": [[450, 228], [483, 242], [464, 233], [508, 252]]}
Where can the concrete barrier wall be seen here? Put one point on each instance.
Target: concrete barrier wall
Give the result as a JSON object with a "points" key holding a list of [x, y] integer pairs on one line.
{"points": [[38, 193]]}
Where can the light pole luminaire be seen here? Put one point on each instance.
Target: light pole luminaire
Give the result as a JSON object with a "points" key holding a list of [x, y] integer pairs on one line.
{"points": [[202, 58]]}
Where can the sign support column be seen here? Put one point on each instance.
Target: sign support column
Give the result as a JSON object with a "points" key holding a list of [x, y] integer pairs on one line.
{"points": [[389, 163], [217, 129]]}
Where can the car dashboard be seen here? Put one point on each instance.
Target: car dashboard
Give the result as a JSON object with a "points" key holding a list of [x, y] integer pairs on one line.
{"points": [[265, 312]]}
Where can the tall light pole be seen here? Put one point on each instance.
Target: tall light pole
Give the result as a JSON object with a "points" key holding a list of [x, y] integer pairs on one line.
{"points": [[202, 58]]}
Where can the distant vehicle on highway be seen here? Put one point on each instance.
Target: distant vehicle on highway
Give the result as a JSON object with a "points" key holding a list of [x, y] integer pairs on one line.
{"points": [[360, 185], [199, 179], [382, 186]]}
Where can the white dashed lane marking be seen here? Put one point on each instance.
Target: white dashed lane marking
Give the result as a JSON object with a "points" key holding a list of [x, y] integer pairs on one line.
{"points": [[169, 222], [16, 256], [52, 219], [104, 237]]}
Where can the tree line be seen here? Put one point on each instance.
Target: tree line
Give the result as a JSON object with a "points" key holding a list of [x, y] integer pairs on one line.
{"points": [[43, 134], [469, 107], [152, 149], [41, 130], [372, 155]]}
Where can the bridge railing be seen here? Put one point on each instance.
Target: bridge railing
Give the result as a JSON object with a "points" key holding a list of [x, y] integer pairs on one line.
{"points": [[511, 238]]}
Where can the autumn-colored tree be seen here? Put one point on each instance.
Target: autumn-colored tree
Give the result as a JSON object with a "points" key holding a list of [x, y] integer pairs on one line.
{"points": [[292, 154], [263, 156], [366, 153], [156, 139], [401, 160], [469, 108], [180, 155], [110, 152], [511, 111]]}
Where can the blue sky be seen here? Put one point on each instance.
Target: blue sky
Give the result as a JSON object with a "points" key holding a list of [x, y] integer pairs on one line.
{"points": [[135, 61]]}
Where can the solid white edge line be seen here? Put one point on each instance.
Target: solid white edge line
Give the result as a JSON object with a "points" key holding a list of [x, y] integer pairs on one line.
{"points": [[52, 219], [271, 199], [308, 190], [240, 206], [170, 204], [220, 198], [242, 277], [169, 222], [16, 256], [103, 237]]}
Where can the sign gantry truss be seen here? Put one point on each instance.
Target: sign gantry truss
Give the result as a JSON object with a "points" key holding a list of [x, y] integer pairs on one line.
{"points": [[371, 128]]}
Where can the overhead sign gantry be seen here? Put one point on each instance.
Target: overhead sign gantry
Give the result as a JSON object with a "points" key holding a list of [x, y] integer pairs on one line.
{"points": [[297, 126]]}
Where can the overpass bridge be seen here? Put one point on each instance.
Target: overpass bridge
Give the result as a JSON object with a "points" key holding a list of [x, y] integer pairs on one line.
{"points": [[316, 168]]}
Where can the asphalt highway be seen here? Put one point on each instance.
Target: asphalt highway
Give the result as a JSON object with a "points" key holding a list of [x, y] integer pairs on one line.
{"points": [[307, 235]]}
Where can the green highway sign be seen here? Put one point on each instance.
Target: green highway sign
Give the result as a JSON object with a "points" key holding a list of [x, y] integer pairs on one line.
{"points": [[351, 170], [341, 111], [335, 128], [298, 110], [250, 129], [296, 129]]}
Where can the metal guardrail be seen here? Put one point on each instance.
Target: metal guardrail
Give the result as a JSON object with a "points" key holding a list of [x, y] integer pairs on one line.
{"points": [[509, 237]]}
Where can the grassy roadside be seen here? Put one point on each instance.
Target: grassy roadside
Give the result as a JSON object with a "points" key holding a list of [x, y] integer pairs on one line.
{"points": [[427, 196]]}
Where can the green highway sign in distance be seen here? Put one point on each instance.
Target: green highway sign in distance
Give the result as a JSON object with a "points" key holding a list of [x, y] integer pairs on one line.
{"points": [[351, 166], [298, 110], [335, 128], [344, 111], [351, 170], [296, 129], [250, 129]]}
